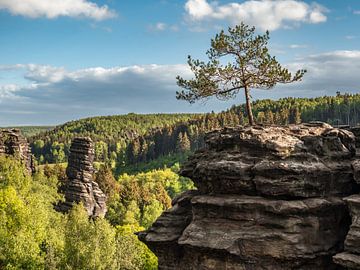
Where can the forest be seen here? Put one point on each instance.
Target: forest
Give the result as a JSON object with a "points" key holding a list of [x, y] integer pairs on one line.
{"points": [[132, 139], [138, 160], [33, 235]]}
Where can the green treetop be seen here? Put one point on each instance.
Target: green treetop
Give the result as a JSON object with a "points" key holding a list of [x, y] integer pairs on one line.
{"points": [[252, 67]]}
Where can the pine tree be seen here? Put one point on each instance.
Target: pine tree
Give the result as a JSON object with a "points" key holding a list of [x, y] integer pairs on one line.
{"points": [[253, 67], [183, 142], [269, 117]]}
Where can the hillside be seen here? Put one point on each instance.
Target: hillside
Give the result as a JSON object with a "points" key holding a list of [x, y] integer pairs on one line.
{"points": [[112, 134], [130, 139]]}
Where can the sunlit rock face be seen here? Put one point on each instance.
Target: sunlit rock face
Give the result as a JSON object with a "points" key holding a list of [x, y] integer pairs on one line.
{"points": [[268, 198], [80, 186], [12, 143]]}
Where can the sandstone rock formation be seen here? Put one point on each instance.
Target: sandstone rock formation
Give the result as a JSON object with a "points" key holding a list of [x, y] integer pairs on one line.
{"points": [[268, 198], [80, 186], [12, 143], [356, 131], [350, 258]]}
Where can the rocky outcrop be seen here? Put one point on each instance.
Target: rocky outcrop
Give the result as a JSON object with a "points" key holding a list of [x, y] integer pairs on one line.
{"points": [[80, 186], [350, 258], [168, 228], [268, 198], [12, 143], [356, 131]]}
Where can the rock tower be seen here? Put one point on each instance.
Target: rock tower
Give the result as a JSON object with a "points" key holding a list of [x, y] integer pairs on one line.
{"points": [[80, 186], [266, 198], [12, 143]]}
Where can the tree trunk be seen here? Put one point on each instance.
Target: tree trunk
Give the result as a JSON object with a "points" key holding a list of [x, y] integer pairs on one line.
{"points": [[248, 107]]}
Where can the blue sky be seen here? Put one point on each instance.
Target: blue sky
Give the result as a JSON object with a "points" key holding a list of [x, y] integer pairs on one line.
{"points": [[67, 59]]}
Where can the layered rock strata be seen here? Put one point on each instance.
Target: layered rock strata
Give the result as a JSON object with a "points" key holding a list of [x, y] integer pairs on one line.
{"points": [[356, 131], [350, 258], [12, 143], [267, 198], [80, 186]]}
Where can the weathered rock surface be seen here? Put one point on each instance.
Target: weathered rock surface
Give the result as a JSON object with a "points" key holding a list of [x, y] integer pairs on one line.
{"points": [[80, 186], [356, 131], [12, 143], [350, 258], [268, 198], [301, 161], [164, 234]]}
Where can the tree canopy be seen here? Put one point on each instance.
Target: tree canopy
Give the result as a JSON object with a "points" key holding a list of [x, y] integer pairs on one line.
{"points": [[252, 67]]}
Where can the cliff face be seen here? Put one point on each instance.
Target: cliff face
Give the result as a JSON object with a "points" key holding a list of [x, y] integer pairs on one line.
{"points": [[267, 198], [356, 131], [12, 143], [80, 186], [350, 258]]}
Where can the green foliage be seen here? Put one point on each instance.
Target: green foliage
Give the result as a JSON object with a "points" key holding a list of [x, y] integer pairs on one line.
{"points": [[88, 244], [152, 147], [106, 180], [110, 133], [183, 143], [95, 244], [27, 220], [58, 152], [101, 151], [131, 253], [34, 236], [251, 67], [342, 109], [163, 162], [144, 196]]}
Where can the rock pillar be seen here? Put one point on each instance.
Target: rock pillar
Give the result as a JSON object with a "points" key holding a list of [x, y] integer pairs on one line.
{"points": [[80, 186]]}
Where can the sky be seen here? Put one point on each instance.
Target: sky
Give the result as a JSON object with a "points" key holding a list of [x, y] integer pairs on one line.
{"points": [[62, 60]]}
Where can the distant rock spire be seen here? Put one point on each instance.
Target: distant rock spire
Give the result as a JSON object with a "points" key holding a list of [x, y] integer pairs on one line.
{"points": [[12, 143], [80, 186]]}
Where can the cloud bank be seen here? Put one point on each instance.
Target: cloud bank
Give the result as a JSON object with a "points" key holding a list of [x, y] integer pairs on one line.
{"points": [[265, 14], [55, 95], [55, 8]]}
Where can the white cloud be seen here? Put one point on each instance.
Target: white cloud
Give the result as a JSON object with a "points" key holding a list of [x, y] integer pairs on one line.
{"points": [[55, 95], [350, 37], [198, 9], [44, 74], [11, 67], [298, 46], [356, 12], [328, 72], [55, 8], [160, 26], [7, 89], [265, 14]]}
